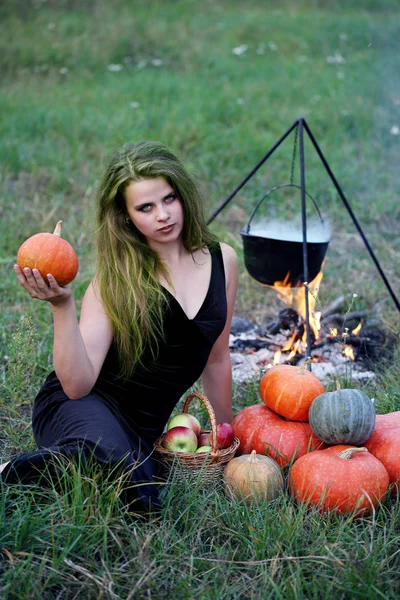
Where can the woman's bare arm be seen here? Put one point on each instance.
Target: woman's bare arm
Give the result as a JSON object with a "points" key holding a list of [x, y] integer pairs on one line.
{"points": [[79, 350], [217, 375]]}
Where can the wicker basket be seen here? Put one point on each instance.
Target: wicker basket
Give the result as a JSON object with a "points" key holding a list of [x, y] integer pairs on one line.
{"points": [[208, 466]]}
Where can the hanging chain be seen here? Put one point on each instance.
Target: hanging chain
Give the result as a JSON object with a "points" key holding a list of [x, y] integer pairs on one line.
{"points": [[296, 135]]}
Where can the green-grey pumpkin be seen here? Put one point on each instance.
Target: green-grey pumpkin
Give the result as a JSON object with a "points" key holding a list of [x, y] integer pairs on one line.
{"points": [[342, 417]]}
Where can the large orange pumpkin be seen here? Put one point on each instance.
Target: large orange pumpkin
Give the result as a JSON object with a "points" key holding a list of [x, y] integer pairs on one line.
{"points": [[289, 391], [261, 429], [383, 423], [49, 253], [340, 478], [384, 444]]}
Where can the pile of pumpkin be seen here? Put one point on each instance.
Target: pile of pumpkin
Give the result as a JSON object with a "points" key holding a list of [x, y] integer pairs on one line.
{"points": [[339, 454]]}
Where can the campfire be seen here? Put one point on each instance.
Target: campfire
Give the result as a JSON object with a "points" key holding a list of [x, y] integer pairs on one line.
{"points": [[342, 341], [348, 343]]}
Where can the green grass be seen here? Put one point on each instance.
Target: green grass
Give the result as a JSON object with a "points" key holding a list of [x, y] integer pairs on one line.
{"points": [[62, 112], [79, 542]]}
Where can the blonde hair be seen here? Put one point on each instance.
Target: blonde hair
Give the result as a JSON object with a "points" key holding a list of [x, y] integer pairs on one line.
{"points": [[127, 268]]}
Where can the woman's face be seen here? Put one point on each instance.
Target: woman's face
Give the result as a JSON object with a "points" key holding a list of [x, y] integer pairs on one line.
{"points": [[156, 210]]}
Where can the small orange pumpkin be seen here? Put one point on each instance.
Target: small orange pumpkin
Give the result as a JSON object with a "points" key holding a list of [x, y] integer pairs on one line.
{"points": [[341, 478], [253, 478], [289, 391], [49, 253]]}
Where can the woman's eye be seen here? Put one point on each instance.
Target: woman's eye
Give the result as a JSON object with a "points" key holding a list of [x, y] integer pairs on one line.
{"points": [[145, 207], [171, 198]]}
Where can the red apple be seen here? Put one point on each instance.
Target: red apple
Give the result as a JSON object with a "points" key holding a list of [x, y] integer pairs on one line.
{"points": [[180, 439], [185, 420], [204, 439], [225, 435]]}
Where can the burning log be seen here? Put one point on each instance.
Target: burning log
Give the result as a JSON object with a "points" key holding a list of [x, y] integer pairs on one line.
{"points": [[337, 304], [252, 344], [282, 341], [287, 319], [351, 319]]}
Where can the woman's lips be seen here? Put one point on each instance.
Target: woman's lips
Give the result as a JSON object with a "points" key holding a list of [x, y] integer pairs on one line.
{"points": [[166, 229]]}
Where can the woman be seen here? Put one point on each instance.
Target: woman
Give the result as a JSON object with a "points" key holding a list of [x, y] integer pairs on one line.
{"points": [[155, 318]]}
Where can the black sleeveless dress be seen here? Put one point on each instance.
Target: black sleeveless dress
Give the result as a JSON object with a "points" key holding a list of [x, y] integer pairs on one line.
{"points": [[118, 422]]}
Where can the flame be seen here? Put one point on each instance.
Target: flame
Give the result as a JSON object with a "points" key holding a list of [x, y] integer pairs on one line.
{"points": [[297, 348], [290, 343], [317, 316], [294, 297], [333, 332], [348, 351], [277, 357], [357, 329]]}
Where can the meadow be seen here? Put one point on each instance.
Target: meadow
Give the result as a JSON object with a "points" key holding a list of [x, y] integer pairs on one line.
{"points": [[219, 82]]}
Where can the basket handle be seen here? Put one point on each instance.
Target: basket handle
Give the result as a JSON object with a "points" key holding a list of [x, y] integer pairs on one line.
{"points": [[278, 187], [211, 414]]}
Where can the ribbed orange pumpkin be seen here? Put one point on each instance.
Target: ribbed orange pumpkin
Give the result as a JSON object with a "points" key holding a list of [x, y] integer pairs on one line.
{"points": [[384, 444], [385, 422], [340, 478], [289, 391], [49, 253], [261, 429]]}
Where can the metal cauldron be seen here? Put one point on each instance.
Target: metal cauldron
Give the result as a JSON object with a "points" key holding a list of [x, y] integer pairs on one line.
{"points": [[270, 260]]}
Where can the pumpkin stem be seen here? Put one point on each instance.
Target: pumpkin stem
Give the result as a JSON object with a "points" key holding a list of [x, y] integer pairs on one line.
{"points": [[57, 230], [348, 453], [253, 455]]}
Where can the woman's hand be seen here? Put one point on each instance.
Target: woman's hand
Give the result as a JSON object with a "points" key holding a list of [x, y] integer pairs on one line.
{"points": [[37, 287]]}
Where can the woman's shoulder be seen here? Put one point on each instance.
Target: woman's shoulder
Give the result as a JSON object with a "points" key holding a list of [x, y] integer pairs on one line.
{"points": [[229, 254], [230, 260]]}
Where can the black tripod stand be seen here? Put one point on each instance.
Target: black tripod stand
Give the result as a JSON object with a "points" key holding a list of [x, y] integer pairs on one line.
{"points": [[300, 125]]}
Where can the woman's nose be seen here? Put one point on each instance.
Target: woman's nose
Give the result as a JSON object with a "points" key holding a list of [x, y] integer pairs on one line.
{"points": [[162, 213]]}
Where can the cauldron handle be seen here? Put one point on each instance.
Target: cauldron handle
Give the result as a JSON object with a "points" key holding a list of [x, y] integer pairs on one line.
{"points": [[277, 187]]}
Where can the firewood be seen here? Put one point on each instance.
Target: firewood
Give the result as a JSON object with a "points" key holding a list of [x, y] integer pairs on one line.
{"points": [[336, 305]]}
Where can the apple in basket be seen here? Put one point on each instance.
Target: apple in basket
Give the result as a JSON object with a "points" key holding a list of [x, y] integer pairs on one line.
{"points": [[185, 420], [225, 435], [180, 439], [203, 449], [204, 439]]}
